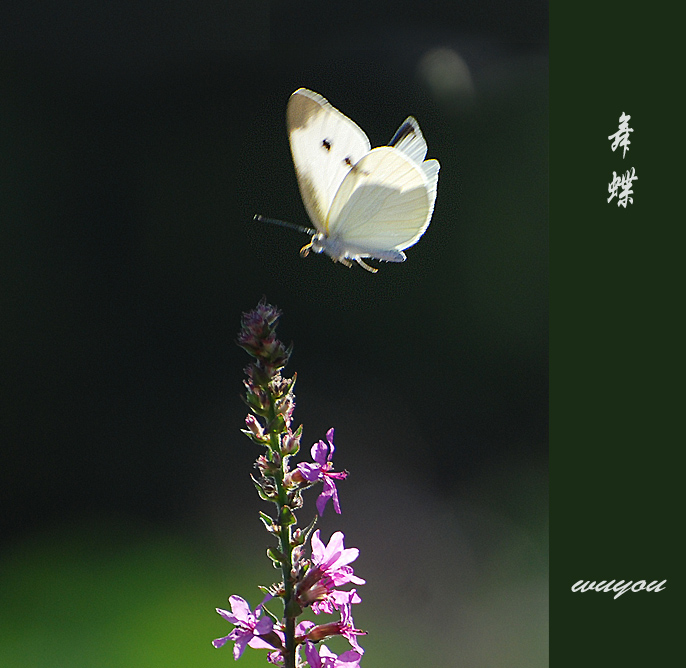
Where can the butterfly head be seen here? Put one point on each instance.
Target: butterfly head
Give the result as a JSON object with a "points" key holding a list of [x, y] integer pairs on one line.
{"points": [[317, 244]]}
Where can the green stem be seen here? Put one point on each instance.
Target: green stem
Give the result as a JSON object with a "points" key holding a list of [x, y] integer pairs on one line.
{"points": [[286, 550]]}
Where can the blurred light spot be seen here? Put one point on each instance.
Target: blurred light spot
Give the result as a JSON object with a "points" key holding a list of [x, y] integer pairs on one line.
{"points": [[447, 75]]}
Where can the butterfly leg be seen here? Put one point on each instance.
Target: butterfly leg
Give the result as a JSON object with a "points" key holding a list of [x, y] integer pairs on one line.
{"points": [[364, 265], [305, 250]]}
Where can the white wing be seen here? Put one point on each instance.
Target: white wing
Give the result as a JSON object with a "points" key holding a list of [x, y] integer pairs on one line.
{"points": [[409, 140], [385, 203], [325, 144], [431, 168]]}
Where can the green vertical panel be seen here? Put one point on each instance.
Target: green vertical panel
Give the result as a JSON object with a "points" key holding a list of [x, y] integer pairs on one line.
{"points": [[615, 344]]}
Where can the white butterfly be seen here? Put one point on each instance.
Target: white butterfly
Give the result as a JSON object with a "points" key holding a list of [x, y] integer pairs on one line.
{"points": [[363, 203]]}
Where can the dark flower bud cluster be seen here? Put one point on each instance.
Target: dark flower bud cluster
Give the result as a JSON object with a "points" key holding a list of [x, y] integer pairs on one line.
{"points": [[258, 338]]}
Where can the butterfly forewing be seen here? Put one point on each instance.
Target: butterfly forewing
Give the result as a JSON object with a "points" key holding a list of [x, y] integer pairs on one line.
{"points": [[384, 203], [325, 144]]}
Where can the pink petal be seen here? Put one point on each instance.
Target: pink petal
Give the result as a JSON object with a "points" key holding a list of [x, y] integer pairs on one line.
{"points": [[334, 548], [312, 655], [346, 557], [324, 497], [268, 597], [257, 643], [304, 627], [265, 625], [240, 645], [227, 616], [318, 548], [311, 472], [334, 496], [240, 608], [320, 452], [351, 656]]}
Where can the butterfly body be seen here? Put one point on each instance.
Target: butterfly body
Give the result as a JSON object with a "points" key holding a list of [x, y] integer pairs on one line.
{"points": [[363, 202], [342, 251]]}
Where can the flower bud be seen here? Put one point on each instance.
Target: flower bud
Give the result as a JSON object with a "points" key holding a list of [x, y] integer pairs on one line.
{"points": [[254, 426], [293, 478], [285, 406], [324, 631], [266, 466], [290, 442], [272, 639], [265, 488], [297, 553]]}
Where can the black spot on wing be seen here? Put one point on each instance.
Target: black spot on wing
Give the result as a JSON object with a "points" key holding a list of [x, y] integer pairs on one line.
{"points": [[354, 167], [326, 144], [405, 130]]}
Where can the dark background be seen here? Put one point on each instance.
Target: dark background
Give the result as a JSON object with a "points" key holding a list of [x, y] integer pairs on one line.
{"points": [[130, 180]]}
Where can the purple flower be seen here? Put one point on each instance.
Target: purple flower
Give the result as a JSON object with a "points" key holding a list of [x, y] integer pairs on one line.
{"points": [[329, 570], [322, 455], [336, 600], [333, 559], [345, 627], [249, 626], [325, 658], [348, 630]]}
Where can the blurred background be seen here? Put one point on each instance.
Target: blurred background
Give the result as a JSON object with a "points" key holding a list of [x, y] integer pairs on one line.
{"points": [[129, 184]]}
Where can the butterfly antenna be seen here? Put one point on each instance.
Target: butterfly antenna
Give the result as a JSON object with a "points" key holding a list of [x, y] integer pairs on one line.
{"points": [[283, 223]]}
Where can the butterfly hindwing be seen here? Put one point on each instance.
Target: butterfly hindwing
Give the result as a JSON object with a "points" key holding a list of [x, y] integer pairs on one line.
{"points": [[385, 203], [430, 169]]}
